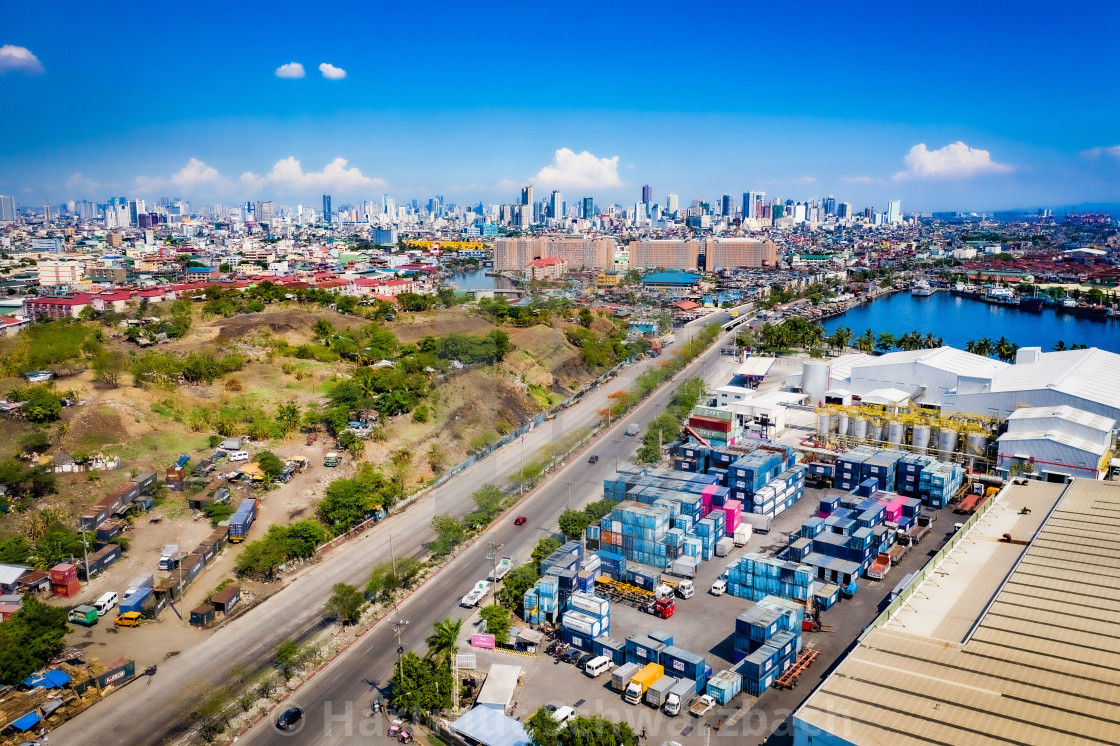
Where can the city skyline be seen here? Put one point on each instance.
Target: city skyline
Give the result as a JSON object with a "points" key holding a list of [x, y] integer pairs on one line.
{"points": [[951, 118]]}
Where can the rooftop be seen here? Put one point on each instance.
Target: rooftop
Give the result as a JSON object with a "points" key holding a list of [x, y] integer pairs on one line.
{"points": [[1089, 374], [1003, 643]]}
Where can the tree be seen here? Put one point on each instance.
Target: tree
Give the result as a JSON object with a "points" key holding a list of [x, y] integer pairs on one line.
{"points": [[489, 498], [437, 458], [14, 550], [545, 547], [108, 366], [288, 417], [497, 622], [574, 522], [270, 464], [866, 343], [443, 643], [29, 639], [420, 686], [345, 604], [885, 342], [585, 317], [323, 330], [346, 503], [597, 731], [288, 654], [543, 728], [385, 579], [515, 584], [450, 532]]}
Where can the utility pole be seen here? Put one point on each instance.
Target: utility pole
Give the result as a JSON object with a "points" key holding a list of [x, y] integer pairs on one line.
{"points": [[492, 549], [398, 627], [569, 493]]}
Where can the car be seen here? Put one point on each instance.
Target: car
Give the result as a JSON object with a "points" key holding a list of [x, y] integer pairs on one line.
{"points": [[128, 619], [289, 718], [594, 459], [571, 656], [520, 520], [585, 659]]}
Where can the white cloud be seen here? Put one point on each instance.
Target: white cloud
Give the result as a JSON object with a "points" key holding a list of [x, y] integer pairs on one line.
{"points": [[290, 70], [193, 175], [571, 170], [330, 72], [1113, 150], [289, 174], [954, 161], [859, 179], [806, 180], [82, 185], [15, 59]]}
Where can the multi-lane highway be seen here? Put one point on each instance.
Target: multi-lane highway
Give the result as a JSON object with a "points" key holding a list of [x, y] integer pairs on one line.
{"points": [[151, 713]]}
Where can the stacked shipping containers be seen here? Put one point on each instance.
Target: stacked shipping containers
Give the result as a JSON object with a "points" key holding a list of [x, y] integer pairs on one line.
{"points": [[754, 577]]}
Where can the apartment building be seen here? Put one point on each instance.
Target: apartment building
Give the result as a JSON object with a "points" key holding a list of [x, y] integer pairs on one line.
{"points": [[665, 253], [580, 253], [548, 268], [514, 254], [54, 272], [729, 253]]}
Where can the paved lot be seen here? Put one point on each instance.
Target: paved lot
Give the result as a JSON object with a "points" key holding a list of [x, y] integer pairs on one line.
{"points": [[704, 625]]}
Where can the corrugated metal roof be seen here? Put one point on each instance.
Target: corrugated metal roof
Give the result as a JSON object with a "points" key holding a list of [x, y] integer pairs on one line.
{"points": [[1064, 412], [1040, 668], [1065, 439], [1087, 374]]}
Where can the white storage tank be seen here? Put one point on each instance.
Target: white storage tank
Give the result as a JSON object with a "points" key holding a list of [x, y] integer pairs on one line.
{"points": [[947, 441], [977, 444], [814, 379], [842, 425], [824, 424], [919, 438], [875, 430], [859, 428], [894, 432]]}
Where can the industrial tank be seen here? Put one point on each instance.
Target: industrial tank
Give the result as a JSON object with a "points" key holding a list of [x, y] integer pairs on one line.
{"points": [[814, 379], [875, 430], [977, 444], [947, 441], [919, 438], [842, 425], [859, 428], [894, 432], [824, 424]]}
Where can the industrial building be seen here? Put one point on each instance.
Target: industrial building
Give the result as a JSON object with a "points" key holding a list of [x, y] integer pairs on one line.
{"points": [[1000, 642], [958, 404]]}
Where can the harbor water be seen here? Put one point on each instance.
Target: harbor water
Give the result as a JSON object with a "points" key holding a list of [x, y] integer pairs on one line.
{"points": [[478, 280], [957, 320]]}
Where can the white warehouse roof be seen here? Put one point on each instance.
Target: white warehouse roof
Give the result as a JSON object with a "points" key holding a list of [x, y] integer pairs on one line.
{"points": [[1054, 452], [1062, 418]]}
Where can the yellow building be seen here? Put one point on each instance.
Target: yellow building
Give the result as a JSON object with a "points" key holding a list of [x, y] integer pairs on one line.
{"points": [[608, 279]]}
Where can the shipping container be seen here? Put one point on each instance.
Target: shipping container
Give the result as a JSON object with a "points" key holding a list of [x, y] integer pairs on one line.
{"points": [[119, 670], [135, 601], [724, 686], [227, 598], [202, 615]]}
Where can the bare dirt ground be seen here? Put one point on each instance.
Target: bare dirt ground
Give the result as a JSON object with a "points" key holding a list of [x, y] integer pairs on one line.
{"points": [[412, 327]]}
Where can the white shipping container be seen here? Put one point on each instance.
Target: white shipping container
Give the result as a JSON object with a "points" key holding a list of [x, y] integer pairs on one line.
{"points": [[590, 603], [582, 623], [724, 546], [742, 534]]}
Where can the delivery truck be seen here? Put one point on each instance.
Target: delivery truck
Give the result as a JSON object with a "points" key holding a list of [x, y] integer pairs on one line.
{"points": [[86, 615], [641, 682], [620, 677], [659, 690], [676, 697], [169, 557], [242, 520], [633, 429]]}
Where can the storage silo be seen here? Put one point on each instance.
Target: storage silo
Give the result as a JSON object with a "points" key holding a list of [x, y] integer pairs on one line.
{"points": [[947, 441], [824, 424], [859, 428], [815, 379], [919, 438], [894, 432], [976, 444], [875, 430], [842, 425]]}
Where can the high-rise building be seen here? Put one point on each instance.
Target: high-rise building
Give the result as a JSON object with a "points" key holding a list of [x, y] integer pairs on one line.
{"points": [[264, 212], [647, 193], [588, 208], [135, 210], [665, 253], [844, 210], [830, 205], [894, 211], [726, 205], [527, 195], [49, 213], [556, 206], [327, 212], [727, 253], [672, 204]]}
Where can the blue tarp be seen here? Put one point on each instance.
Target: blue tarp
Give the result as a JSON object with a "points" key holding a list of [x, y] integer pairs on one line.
{"points": [[50, 680], [28, 721]]}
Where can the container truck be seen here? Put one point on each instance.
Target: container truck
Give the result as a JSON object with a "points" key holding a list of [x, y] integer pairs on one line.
{"points": [[620, 677], [505, 564], [663, 608], [145, 580], [686, 589], [476, 594], [921, 527], [724, 546], [134, 601], [169, 557], [682, 567], [242, 520], [659, 690], [879, 566], [677, 695], [641, 682], [86, 615]]}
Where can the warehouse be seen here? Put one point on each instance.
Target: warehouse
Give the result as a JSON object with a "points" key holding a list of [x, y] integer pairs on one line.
{"points": [[927, 375], [1003, 644]]}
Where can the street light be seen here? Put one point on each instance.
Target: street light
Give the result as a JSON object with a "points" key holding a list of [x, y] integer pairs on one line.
{"points": [[569, 493]]}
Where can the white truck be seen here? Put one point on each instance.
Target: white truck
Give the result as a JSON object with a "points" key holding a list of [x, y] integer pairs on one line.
{"points": [[633, 429], [505, 564], [479, 592], [724, 546], [742, 534], [677, 696], [702, 706], [170, 557], [686, 589], [659, 690]]}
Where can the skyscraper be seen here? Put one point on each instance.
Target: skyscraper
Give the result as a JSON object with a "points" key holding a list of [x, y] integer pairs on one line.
{"points": [[647, 193], [588, 208], [894, 211], [830, 205], [327, 208], [7, 208], [672, 203], [527, 195], [556, 206], [726, 205]]}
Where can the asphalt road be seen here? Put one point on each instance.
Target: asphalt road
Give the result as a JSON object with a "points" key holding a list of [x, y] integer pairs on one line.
{"points": [[152, 712]]}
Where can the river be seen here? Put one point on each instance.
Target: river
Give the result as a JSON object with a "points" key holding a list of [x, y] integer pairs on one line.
{"points": [[958, 320], [478, 280]]}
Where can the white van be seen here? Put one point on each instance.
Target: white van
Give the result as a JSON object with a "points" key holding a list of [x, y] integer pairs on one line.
{"points": [[238, 456], [597, 666], [719, 587], [563, 715], [106, 602]]}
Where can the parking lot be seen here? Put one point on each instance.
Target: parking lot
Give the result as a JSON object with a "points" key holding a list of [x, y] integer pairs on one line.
{"points": [[704, 625]]}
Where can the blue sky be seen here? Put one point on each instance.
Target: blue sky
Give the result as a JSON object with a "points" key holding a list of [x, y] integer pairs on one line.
{"points": [[945, 106]]}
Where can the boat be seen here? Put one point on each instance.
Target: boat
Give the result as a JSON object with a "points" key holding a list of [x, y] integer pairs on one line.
{"points": [[961, 289], [1000, 296], [1031, 303], [922, 289], [1084, 310]]}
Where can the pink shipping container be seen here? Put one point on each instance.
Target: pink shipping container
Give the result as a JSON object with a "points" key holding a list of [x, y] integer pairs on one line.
{"points": [[733, 510]]}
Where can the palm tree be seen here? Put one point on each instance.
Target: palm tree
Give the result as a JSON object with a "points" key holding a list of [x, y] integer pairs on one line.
{"points": [[971, 346], [866, 343], [444, 641], [930, 342], [1061, 346], [1003, 349], [984, 347], [843, 336]]}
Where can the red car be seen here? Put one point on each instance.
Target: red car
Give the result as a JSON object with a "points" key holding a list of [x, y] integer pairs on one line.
{"points": [[520, 520]]}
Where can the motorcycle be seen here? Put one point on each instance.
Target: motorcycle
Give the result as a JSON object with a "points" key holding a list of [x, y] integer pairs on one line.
{"points": [[405, 737], [395, 728]]}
